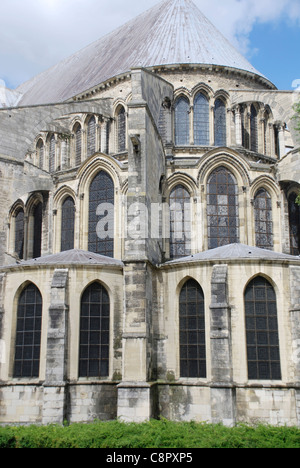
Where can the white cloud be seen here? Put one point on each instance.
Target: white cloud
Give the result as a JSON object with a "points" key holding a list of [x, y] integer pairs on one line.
{"points": [[36, 34]]}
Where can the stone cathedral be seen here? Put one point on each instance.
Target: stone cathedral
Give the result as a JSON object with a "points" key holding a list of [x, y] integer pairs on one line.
{"points": [[149, 235]]}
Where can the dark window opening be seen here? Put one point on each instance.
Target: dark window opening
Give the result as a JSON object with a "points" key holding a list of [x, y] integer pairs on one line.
{"points": [[262, 331], [192, 331], [94, 332], [101, 215], [67, 224], [28, 335]]}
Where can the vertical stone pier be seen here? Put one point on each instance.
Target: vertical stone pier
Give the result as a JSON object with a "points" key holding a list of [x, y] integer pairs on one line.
{"points": [[295, 328], [55, 390], [222, 392]]}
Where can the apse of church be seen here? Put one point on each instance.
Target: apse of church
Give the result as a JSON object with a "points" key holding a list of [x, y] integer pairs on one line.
{"points": [[149, 234]]}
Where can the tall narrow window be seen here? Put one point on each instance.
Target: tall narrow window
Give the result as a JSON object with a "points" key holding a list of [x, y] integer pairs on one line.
{"points": [[201, 120], [19, 233], [40, 153], [180, 222], [52, 154], [91, 137], [262, 331], [222, 209], [94, 332], [67, 224], [192, 331], [121, 129], [263, 219], [253, 129], [220, 123], [294, 225], [78, 144], [28, 336], [101, 215], [182, 121], [37, 230]]}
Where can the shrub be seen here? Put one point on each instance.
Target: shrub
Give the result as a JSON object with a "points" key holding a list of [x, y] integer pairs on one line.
{"points": [[152, 434]]}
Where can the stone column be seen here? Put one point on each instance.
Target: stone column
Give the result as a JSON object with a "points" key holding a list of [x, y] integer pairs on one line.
{"points": [[222, 392], [295, 329], [55, 392], [281, 139], [238, 127]]}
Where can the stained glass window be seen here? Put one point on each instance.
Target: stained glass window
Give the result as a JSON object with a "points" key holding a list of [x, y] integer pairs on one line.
{"points": [[182, 121], [121, 126], [220, 123], [40, 153], [91, 137], [180, 222], [94, 332], [52, 154], [28, 336], [201, 120], [254, 129], [67, 224], [262, 331], [37, 233], [294, 224], [222, 209], [78, 144], [263, 219], [192, 331], [19, 233], [101, 215]]}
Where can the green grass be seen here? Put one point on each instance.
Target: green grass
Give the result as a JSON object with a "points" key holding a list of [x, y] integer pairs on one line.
{"points": [[153, 434]]}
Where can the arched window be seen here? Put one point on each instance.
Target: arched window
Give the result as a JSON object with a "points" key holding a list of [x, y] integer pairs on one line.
{"points": [[121, 129], [67, 224], [78, 144], [222, 208], [94, 332], [253, 129], [220, 123], [180, 222], [294, 224], [52, 154], [28, 335], [37, 230], [101, 215], [182, 121], [263, 219], [262, 331], [91, 137], [192, 331], [40, 153], [19, 233], [201, 120]]}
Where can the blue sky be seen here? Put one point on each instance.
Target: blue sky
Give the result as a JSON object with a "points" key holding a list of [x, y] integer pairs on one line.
{"points": [[275, 52], [36, 34]]}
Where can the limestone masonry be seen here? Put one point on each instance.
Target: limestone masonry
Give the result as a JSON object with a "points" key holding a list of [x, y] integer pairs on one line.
{"points": [[149, 237]]}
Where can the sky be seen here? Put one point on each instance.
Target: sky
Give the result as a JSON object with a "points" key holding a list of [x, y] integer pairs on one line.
{"points": [[36, 34]]}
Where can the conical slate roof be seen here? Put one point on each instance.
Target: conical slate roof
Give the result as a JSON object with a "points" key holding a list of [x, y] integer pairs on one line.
{"points": [[234, 252], [172, 32], [70, 257]]}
